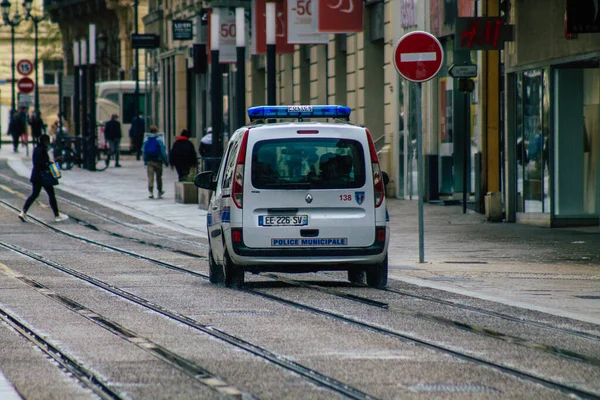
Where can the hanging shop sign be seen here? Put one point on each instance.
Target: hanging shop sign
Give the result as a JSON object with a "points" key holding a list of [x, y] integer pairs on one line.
{"points": [[481, 33], [300, 26], [259, 31], [183, 29], [583, 16], [227, 37], [339, 16]]}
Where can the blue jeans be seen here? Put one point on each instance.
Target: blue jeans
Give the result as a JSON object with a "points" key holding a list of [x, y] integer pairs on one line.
{"points": [[113, 145]]}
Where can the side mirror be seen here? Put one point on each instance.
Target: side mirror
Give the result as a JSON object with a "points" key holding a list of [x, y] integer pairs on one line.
{"points": [[204, 180]]}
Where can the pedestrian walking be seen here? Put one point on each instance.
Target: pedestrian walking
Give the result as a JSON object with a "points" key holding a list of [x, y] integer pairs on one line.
{"points": [[136, 135], [112, 135], [154, 156], [37, 126], [183, 155], [42, 178], [16, 128], [205, 148]]}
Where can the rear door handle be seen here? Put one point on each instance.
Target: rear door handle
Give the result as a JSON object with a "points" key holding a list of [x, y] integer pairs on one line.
{"points": [[309, 232]]}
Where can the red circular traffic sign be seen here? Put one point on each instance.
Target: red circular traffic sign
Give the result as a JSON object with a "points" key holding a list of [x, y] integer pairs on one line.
{"points": [[25, 85], [24, 67], [418, 56]]}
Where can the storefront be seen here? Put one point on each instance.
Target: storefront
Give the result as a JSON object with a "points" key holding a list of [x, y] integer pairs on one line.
{"points": [[554, 143]]}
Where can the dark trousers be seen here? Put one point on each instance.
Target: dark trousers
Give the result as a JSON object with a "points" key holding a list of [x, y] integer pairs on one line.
{"points": [[37, 188], [139, 143], [114, 145], [16, 142], [182, 172]]}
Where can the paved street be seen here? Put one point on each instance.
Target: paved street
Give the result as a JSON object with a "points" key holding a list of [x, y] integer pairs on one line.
{"points": [[510, 269], [551, 270]]}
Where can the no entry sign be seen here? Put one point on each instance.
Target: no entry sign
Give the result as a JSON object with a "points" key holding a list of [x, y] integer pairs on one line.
{"points": [[25, 85], [418, 56]]}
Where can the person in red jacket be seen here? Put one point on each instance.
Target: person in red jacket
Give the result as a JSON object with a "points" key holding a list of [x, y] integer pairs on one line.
{"points": [[183, 155]]}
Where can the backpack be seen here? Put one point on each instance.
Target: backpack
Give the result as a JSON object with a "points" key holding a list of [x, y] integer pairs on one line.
{"points": [[152, 147]]}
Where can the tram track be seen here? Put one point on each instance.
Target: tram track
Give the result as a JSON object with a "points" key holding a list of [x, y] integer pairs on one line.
{"points": [[308, 373], [295, 367], [83, 375], [409, 338]]}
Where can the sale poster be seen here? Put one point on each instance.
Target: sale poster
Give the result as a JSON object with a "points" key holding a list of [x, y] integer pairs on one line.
{"points": [[339, 16], [300, 23], [227, 37], [259, 23]]}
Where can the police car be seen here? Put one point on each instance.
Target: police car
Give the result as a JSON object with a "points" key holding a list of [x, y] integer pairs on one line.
{"points": [[298, 196]]}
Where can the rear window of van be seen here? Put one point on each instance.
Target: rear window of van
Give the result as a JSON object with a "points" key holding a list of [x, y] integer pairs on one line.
{"points": [[320, 163]]}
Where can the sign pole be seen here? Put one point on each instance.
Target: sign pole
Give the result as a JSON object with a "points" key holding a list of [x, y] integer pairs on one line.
{"points": [[216, 91], [240, 92], [420, 175], [418, 57], [271, 52]]}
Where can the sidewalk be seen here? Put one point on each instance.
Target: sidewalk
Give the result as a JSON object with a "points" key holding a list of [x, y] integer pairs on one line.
{"points": [[556, 271]]}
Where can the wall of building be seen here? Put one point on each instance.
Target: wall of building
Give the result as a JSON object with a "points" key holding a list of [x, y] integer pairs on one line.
{"points": [[542, 21]]}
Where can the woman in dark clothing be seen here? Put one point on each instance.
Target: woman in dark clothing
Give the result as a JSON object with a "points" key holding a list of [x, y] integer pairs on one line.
{"points": [[183, 155], [41, 161]]}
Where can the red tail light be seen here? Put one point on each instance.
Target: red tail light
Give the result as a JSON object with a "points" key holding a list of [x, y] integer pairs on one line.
{"points": [[237, 191], [380, 234], [378, 187], [236, 235]]}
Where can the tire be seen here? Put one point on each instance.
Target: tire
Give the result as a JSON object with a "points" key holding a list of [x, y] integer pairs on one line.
{"points": [[377, 274], [357, 276], [215, 271], [68, 158], [234, 274]]}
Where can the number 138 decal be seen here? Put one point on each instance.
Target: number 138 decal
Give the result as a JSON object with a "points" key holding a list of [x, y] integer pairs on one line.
{"points": [[345, 197]]}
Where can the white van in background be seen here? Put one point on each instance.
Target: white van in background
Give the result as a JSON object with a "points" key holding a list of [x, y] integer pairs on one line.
{"points": [[118, 97]]}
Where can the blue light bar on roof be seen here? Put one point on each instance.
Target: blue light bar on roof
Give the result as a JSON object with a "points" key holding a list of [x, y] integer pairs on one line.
{"points": [[264, 112]]}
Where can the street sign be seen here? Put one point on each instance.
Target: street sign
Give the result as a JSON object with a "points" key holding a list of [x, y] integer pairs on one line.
{"points": [[25, 100], [24, 67], [463, 71], [418, 56], [25, 85], [183, 29], [68, 85], [145, 41]]}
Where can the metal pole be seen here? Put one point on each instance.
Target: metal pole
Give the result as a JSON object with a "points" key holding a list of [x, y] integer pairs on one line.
{"points": [[420, 174], [84, 106], [466, 150], [35, 66], [271, 52], [216, 89], [240, 90], [12, 43], [92, 92], [137, 68]]}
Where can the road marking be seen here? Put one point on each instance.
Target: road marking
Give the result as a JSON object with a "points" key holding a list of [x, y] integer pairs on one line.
{"points": [[7, 390], [417, 57]]}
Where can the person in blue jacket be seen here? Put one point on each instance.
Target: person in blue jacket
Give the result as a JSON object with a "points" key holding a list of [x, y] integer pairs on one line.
{"points": [[155, 156]]}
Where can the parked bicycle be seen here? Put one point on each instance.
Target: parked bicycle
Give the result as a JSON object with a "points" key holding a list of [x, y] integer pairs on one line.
{"points": [[66, 153]]}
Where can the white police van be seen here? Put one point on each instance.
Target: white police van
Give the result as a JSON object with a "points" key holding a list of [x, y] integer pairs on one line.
{"points": [[298, 197]]}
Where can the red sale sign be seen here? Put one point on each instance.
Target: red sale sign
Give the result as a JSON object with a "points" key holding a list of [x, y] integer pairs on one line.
{"points": [[340, 16], [300, 23], [259, 22]]}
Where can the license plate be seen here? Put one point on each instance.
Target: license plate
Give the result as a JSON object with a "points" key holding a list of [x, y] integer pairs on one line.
{"points": [[279, 220]]}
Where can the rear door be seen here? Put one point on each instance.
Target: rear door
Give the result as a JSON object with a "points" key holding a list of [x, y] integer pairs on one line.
{"points": [[309, 185]]}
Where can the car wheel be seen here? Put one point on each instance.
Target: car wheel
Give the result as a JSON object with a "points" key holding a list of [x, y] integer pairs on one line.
{"points": [[377, 274], [215, 271], [357, 276], [234, 274]]}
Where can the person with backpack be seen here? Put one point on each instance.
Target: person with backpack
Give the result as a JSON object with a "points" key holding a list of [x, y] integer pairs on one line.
{"points": [[154, 156], [183, 155]]}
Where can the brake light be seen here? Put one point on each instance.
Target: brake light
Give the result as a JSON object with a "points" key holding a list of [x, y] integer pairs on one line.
{"points": [[307, 131], [236, 235], [378, 188], [237, 191], [380, 234]]}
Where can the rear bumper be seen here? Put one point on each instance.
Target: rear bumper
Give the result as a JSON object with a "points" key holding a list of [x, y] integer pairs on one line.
{"points": [[287, 253]]}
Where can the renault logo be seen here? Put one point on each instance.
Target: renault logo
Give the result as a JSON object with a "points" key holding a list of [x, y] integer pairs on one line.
{"points": [[308, 198]]}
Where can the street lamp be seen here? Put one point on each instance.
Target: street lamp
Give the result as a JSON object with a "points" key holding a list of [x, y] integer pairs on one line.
{"points": [[12, 22], [36, 20]]}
